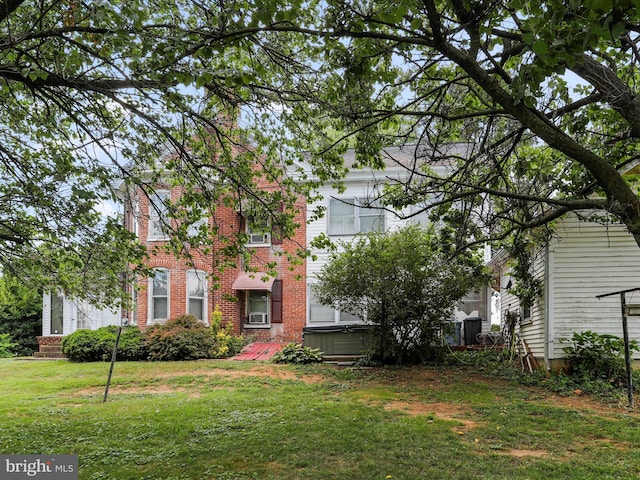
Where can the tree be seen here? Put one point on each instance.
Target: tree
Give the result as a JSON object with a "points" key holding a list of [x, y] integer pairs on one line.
{"points": [[98, 90], [20, 314], [95, 92], [544, 95], [404, 283]]}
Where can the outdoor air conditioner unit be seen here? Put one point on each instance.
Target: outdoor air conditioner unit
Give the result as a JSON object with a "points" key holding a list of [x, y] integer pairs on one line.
{"points": [[258, 318]]}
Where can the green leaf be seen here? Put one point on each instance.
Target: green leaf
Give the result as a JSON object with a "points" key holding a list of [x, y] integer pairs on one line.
{"points": [[540, 47]]}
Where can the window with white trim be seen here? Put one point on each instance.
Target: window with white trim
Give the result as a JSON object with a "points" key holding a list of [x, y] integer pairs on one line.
{"points": [[350, 216], [319, 313], [197, 219], [158, 218], [258, 230], [197, 294], [257, 307], [159, 296]]}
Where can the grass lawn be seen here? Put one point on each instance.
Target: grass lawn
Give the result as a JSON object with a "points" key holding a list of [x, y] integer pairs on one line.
{"points": [[228, 420]]}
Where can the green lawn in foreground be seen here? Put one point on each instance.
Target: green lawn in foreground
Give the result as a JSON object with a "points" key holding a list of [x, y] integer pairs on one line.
{"points": [[239, 420]]}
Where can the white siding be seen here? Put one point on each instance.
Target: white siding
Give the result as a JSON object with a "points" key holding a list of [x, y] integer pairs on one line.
{"points": [[590, 259], [532, 330], [359, 184], [77, 314], [354, 189]]}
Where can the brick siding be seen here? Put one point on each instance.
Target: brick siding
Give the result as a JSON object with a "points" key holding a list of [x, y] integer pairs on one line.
{"points": [[294, 299]]}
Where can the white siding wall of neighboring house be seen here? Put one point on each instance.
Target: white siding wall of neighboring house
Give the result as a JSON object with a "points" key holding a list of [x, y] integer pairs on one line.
{"points": [[531, 323], [77, 315], [590, 259], [532, 328]]}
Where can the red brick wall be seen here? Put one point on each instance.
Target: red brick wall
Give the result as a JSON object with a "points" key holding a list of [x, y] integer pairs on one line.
{"points": [[292, 276]]}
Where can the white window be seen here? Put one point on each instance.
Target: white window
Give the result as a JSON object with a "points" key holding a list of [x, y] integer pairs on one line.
{"points": [[319, 313], [159, 293], [135, 216], [350, 216], [197, 294], [258, 307], [349, 318], [258, 231], [158, 219], [198, 218]]}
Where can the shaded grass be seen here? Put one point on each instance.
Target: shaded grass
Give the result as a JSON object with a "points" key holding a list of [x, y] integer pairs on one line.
{"points": [[235, 420]]}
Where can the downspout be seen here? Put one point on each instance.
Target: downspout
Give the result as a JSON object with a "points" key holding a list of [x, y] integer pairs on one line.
{"points": [[547, 308]]}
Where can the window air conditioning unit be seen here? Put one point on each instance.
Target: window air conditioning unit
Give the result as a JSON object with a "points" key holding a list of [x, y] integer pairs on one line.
{"points": [[258, 318], [258, 238]]}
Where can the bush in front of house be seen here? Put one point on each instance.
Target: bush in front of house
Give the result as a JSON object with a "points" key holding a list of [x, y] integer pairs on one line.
{"points": [[97, 345], [592, 356], [226, 344], [295, 353], [89, 345], [181, 338], [132, 346]]}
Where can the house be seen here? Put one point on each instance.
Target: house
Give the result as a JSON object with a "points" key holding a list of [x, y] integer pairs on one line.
{"points": [[585, 258], [261, 306], [268, 308], [264, 299], [346, 215]]}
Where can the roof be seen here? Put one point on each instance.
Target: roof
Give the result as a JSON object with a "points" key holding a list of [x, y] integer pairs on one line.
{"points": [[411, 155]]}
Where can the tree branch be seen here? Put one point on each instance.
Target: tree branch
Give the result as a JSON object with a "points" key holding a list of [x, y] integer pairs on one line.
{"points": [[7, 7]]}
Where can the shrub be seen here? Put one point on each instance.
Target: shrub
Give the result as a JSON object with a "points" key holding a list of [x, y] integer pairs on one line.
{"points": [[226, 344], [181, 338], [295, 353], [97, 345], [593, 356], [89, 345], [6, 346], [132, 346]]}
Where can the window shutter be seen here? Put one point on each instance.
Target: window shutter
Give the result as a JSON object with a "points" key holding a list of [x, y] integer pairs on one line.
{"points": [[276, 301], [276, 231]]}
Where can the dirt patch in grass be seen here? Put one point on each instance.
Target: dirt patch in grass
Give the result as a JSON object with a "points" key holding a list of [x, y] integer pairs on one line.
{"points": [[406, 379], [265, 370], [520, 453], [440, 410]]}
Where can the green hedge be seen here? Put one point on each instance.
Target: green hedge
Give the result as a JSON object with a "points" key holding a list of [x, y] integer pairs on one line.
{"points": [[97, 345], [181, 338]]}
